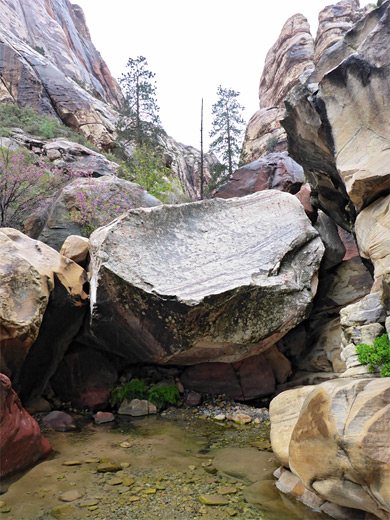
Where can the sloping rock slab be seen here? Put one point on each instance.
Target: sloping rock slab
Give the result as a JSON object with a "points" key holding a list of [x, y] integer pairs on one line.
{"points": [[21, 441], [217, 280]]}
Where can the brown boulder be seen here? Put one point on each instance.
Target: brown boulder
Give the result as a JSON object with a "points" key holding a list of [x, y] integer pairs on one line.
{"points": [[21, 441], [247, 379], [274, 171]]}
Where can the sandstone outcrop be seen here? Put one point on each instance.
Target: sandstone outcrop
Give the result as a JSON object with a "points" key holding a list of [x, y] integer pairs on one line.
{"points": [[288, 58], [333, 22], [204, 281], [107, 197], [274, 171], [330, 423], [42, 293], [337, 122], [21, 441]]}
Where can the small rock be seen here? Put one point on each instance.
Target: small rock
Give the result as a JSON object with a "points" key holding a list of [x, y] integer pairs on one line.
{"points": [[192, 467], [128, 481], [133, 499], [91, 461], [213, 500], [226, 490], [70, 496], [193, 398], [241, 418], [107, 467], [115, 482], [104, 417], [59, 421], [61, 512], [5, 509], [2, 503], [220, 417], [150, 491], [72, 463], [90, 503], [125, 444], [137, 408]]}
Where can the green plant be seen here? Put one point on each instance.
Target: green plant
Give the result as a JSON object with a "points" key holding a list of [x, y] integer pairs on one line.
{"points": [[39, 49], [163, 395], [376, 355], [135, 389], [271, 144]]}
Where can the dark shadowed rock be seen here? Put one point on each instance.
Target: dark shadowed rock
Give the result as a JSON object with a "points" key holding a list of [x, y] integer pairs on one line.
{"points": [[205, 281], [247, 379], [21, 441], [85, 378]]}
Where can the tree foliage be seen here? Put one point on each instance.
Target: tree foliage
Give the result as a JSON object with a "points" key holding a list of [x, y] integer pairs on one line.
{"points": [[139, 122], [227, 128]]}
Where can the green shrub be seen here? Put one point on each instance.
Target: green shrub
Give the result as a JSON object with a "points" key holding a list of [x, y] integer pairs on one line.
{"points": [[39, 49], [271, 144], [135, 389], [163, 395], [376, 355]]}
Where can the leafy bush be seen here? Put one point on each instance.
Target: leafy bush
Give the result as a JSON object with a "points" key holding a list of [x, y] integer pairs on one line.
{"points": [[146, 168], [135, 389], [376, 355], [163, 395], [25, 185]]}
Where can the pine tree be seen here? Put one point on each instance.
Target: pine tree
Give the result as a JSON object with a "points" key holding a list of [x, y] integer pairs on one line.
{"points": [[139, 122], [227, 128]]}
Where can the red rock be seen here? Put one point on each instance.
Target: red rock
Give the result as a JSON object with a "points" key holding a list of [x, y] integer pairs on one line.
{"points": [[193, 398], [247, 379], [104, 417], [274, 171], [351, 249], [303, 196], [85, 378], [21, 442], [59, 421]]}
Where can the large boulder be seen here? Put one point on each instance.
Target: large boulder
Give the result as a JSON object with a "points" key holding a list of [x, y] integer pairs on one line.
{"points": [[345, 425], [21, 441], [42, 292], [274, 171], [104, 198], [205, 281]]}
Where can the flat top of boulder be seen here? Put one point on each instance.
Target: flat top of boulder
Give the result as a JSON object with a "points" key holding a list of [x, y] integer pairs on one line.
{"points": [[210, 246]]}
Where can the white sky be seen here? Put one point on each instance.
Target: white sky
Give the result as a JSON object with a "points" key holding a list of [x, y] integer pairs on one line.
{"points": [[193, 47]]}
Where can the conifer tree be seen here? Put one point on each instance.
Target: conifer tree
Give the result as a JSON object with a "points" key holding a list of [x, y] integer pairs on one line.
{"points": [[139, 122], [227, 128]]}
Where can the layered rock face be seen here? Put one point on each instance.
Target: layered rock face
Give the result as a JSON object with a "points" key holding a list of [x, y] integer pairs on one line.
{"points": [[41, 293], [203, 281], [338, 129], [329, 423], [287, 59], [21, 441], [46, 54]]}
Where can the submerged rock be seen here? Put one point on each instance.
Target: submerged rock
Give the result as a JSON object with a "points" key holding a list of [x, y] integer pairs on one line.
{"points": [[205, 281]]}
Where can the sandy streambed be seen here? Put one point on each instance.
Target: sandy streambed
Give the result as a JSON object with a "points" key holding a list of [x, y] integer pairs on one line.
{"points": [[154, 468]]}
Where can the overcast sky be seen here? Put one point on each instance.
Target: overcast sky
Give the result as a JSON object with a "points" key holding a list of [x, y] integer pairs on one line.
{"points": [[193, 47]]}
